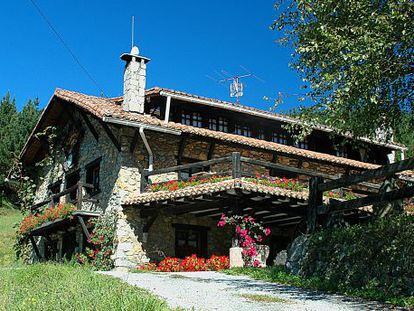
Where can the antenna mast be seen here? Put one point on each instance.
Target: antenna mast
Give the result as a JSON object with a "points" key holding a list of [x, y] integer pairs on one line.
{"points": [[132, 30]]}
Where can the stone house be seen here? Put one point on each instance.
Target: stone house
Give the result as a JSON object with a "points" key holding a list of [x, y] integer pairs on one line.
{"points": [[114, 150]]}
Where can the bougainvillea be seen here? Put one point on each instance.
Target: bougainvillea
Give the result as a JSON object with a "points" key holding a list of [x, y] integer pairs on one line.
{"points": [[248, 234], [188, 264], [61, 211]]}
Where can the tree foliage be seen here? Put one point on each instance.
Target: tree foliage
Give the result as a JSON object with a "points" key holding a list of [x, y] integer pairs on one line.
{"points": [[15, 127], [356, 60]]}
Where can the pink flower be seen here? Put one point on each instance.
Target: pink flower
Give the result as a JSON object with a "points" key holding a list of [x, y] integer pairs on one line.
{"points": [[267, 231], [256, 263]]}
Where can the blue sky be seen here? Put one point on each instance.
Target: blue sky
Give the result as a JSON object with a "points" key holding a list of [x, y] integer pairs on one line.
{"points": [[186, 40]]}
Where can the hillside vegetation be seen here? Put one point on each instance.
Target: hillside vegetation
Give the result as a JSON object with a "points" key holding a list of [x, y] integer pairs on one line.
{"points": [[51, 286]]}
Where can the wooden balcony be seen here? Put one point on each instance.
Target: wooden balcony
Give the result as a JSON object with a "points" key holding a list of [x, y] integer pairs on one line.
{"points": [[78, 191]]}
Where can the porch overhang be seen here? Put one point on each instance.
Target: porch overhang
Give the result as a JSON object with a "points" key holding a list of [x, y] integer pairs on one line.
{"points": [[273, 206]]}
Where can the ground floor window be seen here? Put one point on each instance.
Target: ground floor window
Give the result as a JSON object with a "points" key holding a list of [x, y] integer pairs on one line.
{"points": [[190, 240]]}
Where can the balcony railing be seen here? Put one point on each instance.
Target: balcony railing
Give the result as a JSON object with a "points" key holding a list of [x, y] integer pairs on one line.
{"points": [[237, 167], [81, 197]]}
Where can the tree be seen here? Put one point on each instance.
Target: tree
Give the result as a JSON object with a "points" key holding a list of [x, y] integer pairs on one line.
{"points": [[15, 128], [356, 59]]}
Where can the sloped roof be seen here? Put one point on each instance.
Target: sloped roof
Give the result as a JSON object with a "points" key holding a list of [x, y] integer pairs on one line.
{"points": [[108, 109], [209, 188]]}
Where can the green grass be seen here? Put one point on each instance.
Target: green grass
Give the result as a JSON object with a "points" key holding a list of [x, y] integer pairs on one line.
{"points": [[8, 218], [264, 298], [64, 287], [49, 286], [278, 275]]}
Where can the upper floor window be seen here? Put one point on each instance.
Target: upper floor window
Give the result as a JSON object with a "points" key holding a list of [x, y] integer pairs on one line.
{"points": [[302, 144], [191, 118], [260, 134], [223, 124], [341, 152], [92, 175], [243, 130], [212, 124], [280, 138]]}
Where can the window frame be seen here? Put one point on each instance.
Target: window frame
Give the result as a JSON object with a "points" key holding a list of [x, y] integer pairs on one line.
{"points": [[93, 168]]}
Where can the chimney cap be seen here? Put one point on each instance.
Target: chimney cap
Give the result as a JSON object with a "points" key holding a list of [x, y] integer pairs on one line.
{"points": [[134, 54]]}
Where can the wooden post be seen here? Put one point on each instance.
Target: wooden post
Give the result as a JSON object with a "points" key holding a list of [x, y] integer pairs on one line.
{"points": [[79, 196], [315, 200], [36, 249], [144, 180], [236, 165]]}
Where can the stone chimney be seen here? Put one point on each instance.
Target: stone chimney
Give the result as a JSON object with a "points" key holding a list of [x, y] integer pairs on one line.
{"points": [[134, 80]]}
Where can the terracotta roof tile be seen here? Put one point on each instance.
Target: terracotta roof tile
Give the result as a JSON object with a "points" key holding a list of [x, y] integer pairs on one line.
{"points": [[193, 191], [107, 107]]}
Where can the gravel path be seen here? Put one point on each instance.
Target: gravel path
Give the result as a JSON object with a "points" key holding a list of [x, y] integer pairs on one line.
{"points": [[217, 291]]}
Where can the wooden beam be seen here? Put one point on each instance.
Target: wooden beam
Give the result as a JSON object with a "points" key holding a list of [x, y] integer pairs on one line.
{"points": [[181, 148], [340, 207], [383, 171], [315, 200], [110, 135], [150, 222], [84, 228], [282, 219], [187, 166], [236, 170], [134, 141], [36, 249], [89, 125], [211, 150]]}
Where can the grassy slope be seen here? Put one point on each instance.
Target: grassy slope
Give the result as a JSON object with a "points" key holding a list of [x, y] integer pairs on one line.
{"points": [[63, 287], [50, 286], [8, 217]]}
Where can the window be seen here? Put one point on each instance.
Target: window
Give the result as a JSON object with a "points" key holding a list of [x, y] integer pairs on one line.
{"points": [[341, 152], [55, 189], [190, 240], [212, 124], [186, 118], [303, 144], [191, 118], [71, 181], [280, 138], [223, 124], [92, 176], [260, 134], [243, 130]]}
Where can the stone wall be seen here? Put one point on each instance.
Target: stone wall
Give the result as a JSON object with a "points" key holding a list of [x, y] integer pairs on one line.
{"points": [[120, 179]]}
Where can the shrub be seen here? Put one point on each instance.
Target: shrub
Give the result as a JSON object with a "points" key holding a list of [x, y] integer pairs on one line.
{"points": [[188, 264], [169, 264], [102, 240], [216, 263], [193, 263], [376, 257]]}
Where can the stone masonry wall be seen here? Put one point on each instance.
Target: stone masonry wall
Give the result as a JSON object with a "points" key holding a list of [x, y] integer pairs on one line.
{"points": [[120, 178]]}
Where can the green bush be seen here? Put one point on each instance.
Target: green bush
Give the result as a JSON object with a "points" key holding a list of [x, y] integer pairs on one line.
{"points": [[377, 257]]}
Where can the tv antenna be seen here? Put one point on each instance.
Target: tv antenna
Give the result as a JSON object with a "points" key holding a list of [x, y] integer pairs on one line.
{"points": [[236, 86]]}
